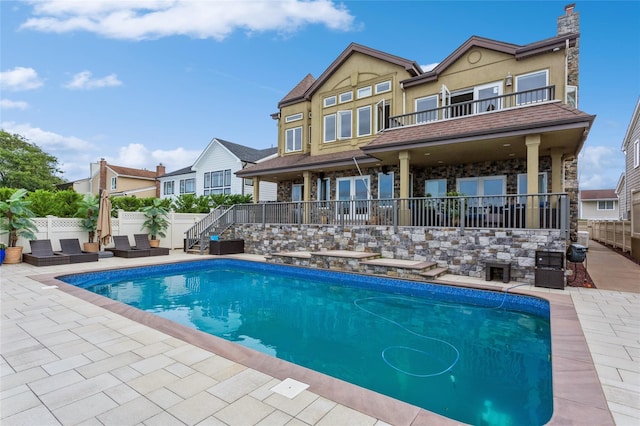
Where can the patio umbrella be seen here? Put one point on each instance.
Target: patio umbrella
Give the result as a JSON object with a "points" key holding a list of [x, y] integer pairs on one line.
{"points": [[104, 219]]}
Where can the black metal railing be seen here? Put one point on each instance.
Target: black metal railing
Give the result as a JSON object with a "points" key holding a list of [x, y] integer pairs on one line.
{"points": [[497, 103]]}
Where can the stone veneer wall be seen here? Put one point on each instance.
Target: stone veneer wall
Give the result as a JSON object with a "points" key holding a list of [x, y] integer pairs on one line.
{"points": [[462, 254]]}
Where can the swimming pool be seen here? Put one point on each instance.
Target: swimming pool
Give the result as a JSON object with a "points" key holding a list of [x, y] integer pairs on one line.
{"points": [[484, 358]]}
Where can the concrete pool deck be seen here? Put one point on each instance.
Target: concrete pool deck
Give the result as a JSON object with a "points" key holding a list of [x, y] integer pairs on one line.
{"points": [[72, 358]]}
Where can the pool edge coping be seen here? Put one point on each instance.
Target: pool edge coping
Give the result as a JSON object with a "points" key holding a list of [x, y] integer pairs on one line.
{"points": [[577, 392]]}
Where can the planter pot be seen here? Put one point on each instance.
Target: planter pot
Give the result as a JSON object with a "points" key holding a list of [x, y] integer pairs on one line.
{"points": [[13, 255], [154, 243], [3, 253], [91, 247]]}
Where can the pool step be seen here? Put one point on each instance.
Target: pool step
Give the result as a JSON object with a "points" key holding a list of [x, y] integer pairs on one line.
{"points": [[360, 262]]}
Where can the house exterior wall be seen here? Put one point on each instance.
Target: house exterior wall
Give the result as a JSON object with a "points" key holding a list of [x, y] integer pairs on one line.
{"points": [[176, 184], [589, 210], [632, 172]]}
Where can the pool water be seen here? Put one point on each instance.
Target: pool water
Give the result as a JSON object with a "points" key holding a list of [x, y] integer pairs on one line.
{"points": [[474, 356]]}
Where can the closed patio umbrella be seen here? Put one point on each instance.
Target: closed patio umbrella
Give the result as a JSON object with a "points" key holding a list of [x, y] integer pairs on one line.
{"points": [[104, 219]]}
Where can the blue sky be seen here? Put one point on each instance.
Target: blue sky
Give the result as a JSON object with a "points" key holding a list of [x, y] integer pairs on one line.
{"points": [[143, 85]]}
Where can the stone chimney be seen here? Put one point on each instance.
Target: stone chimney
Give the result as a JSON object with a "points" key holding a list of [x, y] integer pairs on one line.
{"points": [[102, 181], [567, 24], [160, 171]]}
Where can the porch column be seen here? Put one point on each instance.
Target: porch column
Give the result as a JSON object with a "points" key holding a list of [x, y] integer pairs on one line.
{"points": [[533, 154], [556, 174], [404, 215], [306, 195], [256, 189]]}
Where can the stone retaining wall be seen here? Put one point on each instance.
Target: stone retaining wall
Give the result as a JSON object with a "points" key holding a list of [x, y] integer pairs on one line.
{"points": [[463, 253]]}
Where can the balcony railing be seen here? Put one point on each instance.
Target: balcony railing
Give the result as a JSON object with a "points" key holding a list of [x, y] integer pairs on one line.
{"points": [[541, 211], [497, 103]]}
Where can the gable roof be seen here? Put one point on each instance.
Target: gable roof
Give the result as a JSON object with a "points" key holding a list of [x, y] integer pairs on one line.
{"points": [[519, 52], [633, 123], [245, 153], [183, 171], [598, 194], [410, 66], [297, 93], [131, 172]]}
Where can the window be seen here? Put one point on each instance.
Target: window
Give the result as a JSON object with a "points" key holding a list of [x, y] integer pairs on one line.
{"points": [[294, 139], [385, 86], [385, 186], [605, 205], [345, 97], [536, 80], [487, 91], [383, 112], [364, 92], [636, 153], [364, 121], [482, 186], [429, 104], [522, 185], [294, 117], [187, 186], [572, 96], [169, 187], [435, 188], [344, 124], [329, 128], [248, 182], [324, 190], [330, 101], [114, 183], [220, 182], [296, 192]]}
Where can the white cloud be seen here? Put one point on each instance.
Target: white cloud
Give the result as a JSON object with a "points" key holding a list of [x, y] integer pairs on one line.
{"points": [[429, 67], [20, 78], [599, 167], [140, 157], [83, 80], [9, 104], [139, 20]]}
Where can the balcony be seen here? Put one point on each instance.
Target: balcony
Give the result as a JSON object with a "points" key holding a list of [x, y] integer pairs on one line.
{"points": [[475, 107]]}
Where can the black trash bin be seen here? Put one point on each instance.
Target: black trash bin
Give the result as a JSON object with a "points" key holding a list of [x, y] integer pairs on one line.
{"points": [[549, 271]]}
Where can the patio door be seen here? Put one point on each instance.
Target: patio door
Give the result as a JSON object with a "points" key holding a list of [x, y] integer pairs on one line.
{"points": [[487, 91], [353, 196]]}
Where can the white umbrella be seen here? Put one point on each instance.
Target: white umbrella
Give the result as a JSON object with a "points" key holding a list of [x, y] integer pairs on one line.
{"points": [[104, 219]]}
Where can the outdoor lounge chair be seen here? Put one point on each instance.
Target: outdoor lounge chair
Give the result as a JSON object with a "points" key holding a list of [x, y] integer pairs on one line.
{"points": [[142, 242], [123, 248], [42, 254], [71, 247]]}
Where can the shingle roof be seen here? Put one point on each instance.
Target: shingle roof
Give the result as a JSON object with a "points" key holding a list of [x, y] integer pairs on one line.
{"points": [[299, 90], [598, 194], [494, 124], [128, 171], [245, 153], [299, 162], [183, 171]]}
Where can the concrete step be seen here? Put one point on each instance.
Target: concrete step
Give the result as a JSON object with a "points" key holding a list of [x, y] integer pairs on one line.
{"points": [[434, 273]]}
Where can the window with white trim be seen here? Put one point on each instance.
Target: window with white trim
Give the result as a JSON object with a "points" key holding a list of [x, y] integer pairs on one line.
{"points": [[482, 186], [364, 121], [329, 128], [605, 205], [532, 81], [383, 112], [293, 117], [435, 188], [297, 192], [294, 139], [345, 97], [344, 124], [364, 92], [114, 183], [636, 153], [385, 86], [429, 105], [169, 187], [187, 186], [385, 186], [330, 101], [217, 182]]}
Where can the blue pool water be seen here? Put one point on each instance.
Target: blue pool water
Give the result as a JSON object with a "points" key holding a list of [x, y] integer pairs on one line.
{"points": [[474, 356]]}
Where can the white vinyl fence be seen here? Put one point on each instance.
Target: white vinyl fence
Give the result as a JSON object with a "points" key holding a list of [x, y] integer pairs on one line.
{"points": [[127, 223]]}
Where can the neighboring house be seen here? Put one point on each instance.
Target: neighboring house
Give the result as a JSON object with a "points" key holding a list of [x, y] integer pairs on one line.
{"points": [[123, 181], [493, 118], [631, 148], [214, 170], [599, 204]]}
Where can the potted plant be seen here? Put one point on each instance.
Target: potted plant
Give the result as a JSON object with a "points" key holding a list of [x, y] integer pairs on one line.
{"points": [[17, 222], [88, 210], [155, 222]]}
